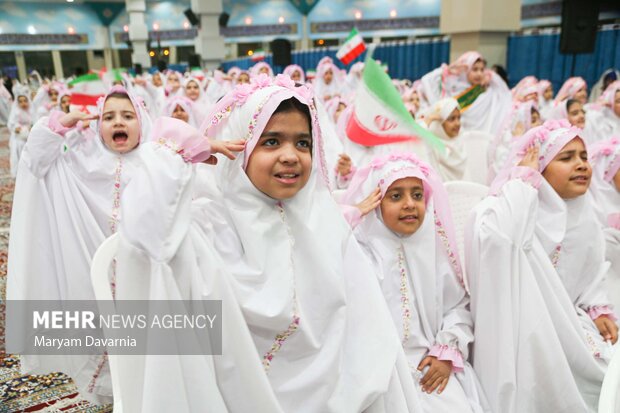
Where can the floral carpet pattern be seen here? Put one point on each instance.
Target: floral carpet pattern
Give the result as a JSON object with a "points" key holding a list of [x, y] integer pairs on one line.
{"points": [[53, 392]]}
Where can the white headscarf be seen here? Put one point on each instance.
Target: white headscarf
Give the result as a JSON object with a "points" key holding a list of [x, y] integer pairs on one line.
{"points": [[450, 164], [298, 272], [66, 204]]}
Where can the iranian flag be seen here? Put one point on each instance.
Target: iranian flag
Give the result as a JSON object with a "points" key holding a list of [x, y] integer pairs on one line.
{"points": [[379, 116], [352, 47], [86, 89], [258, 55]]}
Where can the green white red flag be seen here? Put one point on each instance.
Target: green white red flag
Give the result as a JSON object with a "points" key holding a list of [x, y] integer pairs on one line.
{"points": [[86, 89], [379, 116], [352, 47]]}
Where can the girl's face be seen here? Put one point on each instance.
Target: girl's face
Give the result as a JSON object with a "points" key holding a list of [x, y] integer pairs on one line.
{"points": [[179, 113], [192, 90], [53, 94], [548, 93], [296, 76], [65, 103], [174, 82], [576, 115], [281, 162], [535, 118], [244, 78], [532, 96], [475, 76], [264, 70], [403, 207], [452, 125], [22, 102], [415, 99], [157, 82], [569, 172], [616, 107], [120, 128], [582, 96], [328, 76], [341, 107]]}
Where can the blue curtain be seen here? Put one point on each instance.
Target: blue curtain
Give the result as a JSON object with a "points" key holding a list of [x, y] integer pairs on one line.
{"points": [[539, 55], [404, 60]]}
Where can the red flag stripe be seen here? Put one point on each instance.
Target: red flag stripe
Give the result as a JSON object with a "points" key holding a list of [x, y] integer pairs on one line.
{"points": [[84, 100], [349, 57], [359, 134]]}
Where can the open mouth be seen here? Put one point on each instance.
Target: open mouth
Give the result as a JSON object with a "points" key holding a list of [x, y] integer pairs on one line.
{"points": [[120, 137], [580, 179], [408, 218], [287, 178]]}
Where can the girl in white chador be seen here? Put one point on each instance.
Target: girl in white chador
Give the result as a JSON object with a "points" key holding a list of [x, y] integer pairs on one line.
{"points": [[484, 98], [605, 191], [302, 283], [444, 120], [536, 264], [200, 106], [20, 122], [66, 204], [180, 107], [603, 117], [411, 240]]}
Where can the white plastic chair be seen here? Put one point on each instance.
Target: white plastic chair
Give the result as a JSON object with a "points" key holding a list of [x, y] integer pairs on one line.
{"points": [[609, 402], [476, 146], [99, 270], [463, 197]]}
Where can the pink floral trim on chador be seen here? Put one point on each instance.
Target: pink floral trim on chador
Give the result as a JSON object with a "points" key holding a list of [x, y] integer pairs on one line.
{"points": [[613, 220], [404, 296], [292, 327], [601, 310], [452, 257], [594, 348], [527, 175], [555, 257], [447, 353]]}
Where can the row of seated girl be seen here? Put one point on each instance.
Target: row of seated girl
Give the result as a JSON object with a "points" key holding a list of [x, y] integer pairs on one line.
{"points": [[318, 317]]}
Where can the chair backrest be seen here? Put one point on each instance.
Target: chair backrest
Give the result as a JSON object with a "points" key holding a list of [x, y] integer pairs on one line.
{"points": [[609, 402], [476, 146], [99, 270], [463, 197]]}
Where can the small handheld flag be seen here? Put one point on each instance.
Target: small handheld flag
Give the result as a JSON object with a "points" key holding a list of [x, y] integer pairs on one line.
{"points": [[379, 116], [352, 47]]}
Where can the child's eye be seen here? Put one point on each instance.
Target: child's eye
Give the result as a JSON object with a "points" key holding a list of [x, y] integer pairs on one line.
{"points": [[418, 196], [304, 143], [270, 142], [395, 196]]}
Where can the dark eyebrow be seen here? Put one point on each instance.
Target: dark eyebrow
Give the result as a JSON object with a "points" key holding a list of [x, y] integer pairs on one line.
{"points": [[276, 134], [400, 188]]}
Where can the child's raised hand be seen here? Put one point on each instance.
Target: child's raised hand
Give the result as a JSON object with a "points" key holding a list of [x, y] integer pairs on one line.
{"points": [[608, 328], [72, 118], [531, 158], [371, 202], [437, 375], [344, 165], [226, 148]]}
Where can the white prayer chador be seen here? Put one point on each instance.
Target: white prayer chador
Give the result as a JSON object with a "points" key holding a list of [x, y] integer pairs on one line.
{"points": [[200, 106], [5, 103], [452, 162], [490, 108], [313, 306], [536, 264], [421, 279], [165, 255], [602, 121], [605, 157], [22, 119], [65, 206]]}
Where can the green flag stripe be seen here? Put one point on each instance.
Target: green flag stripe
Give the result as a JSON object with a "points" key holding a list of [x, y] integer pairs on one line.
{"points": [[380, 85], [85, 78], [353, 33]]}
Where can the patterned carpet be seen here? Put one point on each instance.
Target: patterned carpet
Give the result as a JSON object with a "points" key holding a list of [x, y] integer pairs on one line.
{"points": [[54, 392]]}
